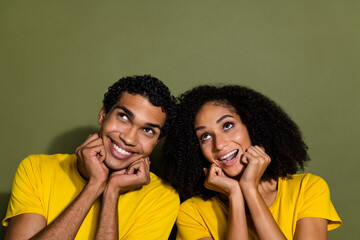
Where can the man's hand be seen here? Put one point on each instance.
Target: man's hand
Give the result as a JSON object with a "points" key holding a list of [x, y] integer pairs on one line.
{"points": [[136, 175], [91, 155]]}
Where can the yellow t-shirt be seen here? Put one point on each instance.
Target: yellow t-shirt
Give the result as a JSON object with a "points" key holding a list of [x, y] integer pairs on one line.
{"points": [[298, 196], [47, 184]]}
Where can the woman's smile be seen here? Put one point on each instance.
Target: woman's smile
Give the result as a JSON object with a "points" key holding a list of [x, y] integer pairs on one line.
{"points": [[222, 136]]}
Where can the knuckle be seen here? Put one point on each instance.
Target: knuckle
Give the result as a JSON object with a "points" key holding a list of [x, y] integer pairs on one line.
{"points": [[84, 150]]}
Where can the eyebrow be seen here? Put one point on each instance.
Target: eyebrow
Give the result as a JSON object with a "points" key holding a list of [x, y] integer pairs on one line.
{"points": [[127, 111], [132, 116], [153, 125], [223, 117], [217, 121]]}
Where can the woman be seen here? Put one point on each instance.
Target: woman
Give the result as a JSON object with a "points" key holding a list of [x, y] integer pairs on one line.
{"points": [[233, 156]]}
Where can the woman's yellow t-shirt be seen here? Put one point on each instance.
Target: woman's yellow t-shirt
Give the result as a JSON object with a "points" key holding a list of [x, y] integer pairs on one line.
{"points": [[298, 196]]}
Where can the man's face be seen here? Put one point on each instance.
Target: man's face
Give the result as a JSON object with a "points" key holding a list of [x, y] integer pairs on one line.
{"points": [[130, 130]]}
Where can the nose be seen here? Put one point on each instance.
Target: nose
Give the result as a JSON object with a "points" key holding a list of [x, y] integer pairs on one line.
{"points": [[129, 136], [219, 142]]}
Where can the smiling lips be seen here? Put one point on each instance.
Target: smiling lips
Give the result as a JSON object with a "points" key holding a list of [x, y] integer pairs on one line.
{"points": [[229, 157], [119, 152]]}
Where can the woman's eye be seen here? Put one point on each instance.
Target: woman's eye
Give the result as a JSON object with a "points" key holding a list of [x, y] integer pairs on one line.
{"points": [[204, 137], [227, 126]]}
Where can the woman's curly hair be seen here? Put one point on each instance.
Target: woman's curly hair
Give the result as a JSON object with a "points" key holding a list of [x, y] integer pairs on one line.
{"points": [[149, 87], [268, 126]]}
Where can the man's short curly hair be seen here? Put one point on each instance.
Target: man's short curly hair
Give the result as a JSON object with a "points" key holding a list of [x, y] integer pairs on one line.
{"points": [[149, 87], [268, 126]]}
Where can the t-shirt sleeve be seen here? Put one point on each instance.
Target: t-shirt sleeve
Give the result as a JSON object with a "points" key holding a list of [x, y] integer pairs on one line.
{"points": [[157, 217], [189, 223], [316, 202], [25, 195]]}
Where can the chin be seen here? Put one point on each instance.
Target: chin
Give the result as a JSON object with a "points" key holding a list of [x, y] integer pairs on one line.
{"points": [[113, 167], [233, 173]]}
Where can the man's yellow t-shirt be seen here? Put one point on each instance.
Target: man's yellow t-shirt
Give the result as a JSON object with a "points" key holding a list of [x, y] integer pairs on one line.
{"points": [[298, 196], [47, 184]]}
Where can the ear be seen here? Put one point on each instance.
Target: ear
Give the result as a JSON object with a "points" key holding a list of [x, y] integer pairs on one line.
{"points": [[102, 115]]}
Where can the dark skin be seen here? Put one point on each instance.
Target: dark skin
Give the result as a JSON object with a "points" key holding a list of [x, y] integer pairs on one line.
{"points": [[109, 171], [235, 172]]}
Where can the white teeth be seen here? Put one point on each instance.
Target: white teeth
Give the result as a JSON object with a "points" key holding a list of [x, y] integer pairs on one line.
{"points": [[228, 155], [122, 151]]}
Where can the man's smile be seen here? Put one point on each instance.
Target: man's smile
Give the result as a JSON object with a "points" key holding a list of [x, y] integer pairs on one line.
{"points": [[120, 152]]}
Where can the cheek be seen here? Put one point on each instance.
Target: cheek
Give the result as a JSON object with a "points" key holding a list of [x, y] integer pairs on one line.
{"points": [[148, 146], [243, 140], [109, 125], [206, 151]]}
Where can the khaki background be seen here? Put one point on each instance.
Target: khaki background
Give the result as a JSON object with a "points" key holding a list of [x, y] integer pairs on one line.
{"points": [[57, 59]]}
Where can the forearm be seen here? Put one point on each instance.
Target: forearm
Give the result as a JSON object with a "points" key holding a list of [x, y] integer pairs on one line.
{"points": [[66, 225], [265, 224], [237, 225], [108, 223]]}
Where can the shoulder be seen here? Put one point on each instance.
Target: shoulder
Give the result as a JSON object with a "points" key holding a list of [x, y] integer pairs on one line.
{"points": [[46, 163], [43, 159], [158, 189], [304, 179], [305, 184], [200, 205]]}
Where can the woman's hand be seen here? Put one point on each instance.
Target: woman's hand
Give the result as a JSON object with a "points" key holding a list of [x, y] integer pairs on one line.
{"points": [[256, 161], [217, 181]]}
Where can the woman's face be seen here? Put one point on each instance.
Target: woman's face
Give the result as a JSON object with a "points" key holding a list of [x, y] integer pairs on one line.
{"points": [[222, 136]]}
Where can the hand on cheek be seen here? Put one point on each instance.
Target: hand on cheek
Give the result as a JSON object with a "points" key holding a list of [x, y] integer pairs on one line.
{"points": [[91, 155], [217, 181], [256, 161], [136, 175]]}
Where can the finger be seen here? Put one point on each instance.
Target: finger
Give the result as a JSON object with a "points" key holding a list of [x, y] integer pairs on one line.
{"points": [[215, 163], [141, 171], [119, 172], [206, 171], [213, 171], [139, 168], [87, 140], [132, 168], [262, 154], [91, 143], [97, 151], [143, 160], [244, 158], [147, 163], [253, 151], [260, 150]]}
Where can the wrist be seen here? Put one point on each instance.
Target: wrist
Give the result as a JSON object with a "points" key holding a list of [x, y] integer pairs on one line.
{"points": [[235, 192], [111, 193], [95, 189], [247, 186], [250, 192]]}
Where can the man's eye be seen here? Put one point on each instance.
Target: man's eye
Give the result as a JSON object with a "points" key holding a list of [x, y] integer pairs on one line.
{"points": [[149, 130], [227, 126], [204, 137], [124, 116]]}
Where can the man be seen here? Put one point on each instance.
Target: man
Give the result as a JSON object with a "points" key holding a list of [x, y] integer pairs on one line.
{"points": [[105, 191]]}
